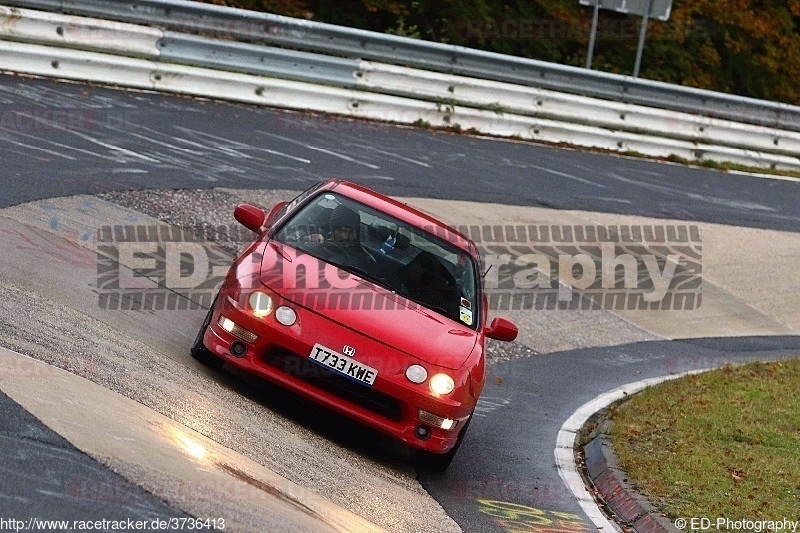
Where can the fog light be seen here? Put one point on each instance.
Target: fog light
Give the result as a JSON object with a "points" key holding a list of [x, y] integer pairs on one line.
{"points": [[416, 374], [438, 421], [442, 384], [285, 315], [238, 349], [236, 330], [422, 432]]}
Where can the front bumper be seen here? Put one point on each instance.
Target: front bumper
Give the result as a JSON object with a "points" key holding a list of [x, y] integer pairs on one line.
{"points": [[391, 405]]}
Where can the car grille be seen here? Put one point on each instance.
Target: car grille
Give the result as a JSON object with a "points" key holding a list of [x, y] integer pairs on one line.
{"points": [[333, 383]]}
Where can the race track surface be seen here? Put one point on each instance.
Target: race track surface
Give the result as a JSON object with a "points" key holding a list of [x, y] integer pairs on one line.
{"points": [[66, 139]]}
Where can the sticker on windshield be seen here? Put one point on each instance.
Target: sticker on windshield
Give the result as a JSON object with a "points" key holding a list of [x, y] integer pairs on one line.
{"points": [[465, 315], [465, 303]]}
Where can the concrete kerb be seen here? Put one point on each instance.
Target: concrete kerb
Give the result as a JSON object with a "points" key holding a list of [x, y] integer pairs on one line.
{"points": [[620, 498], [608, 488]]}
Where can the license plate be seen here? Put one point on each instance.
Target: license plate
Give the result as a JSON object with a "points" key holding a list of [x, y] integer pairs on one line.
{"points": [[342, 364]]}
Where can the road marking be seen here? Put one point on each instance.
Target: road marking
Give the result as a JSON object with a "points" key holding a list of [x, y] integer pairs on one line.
{"points": [[764, 176], [390, 154], [318, 149], [342, 156], [129, 171], [69, 148], [91, 139], [569, 176], [164, 144], [225, 145], [31, 147], [565, 444], [383, 178], [488, 404], [275, 152], [616, 200]]}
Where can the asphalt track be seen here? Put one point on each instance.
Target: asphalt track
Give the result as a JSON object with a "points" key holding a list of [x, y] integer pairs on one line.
{"points": [[106, 139], [46, 477], [532, 398]]}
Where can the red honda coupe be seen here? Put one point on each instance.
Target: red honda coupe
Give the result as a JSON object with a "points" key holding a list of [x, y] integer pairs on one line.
{"points": [[364, 305]]}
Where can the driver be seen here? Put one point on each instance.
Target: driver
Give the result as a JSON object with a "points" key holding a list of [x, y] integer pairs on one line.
{"points": [[344, 241]]}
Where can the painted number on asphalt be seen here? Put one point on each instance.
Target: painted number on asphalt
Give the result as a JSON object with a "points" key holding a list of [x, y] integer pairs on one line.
{"points": [[518, 518]]}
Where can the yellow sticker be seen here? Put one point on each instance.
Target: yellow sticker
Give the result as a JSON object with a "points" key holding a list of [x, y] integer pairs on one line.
{"points": [[465, 315]]}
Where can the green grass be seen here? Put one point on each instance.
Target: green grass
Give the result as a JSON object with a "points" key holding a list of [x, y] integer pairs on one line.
{"points": [[724, 443], [723, 166]]}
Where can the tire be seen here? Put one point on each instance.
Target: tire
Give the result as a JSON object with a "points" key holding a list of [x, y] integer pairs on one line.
{"points": [[439, 462], [199, 350]]}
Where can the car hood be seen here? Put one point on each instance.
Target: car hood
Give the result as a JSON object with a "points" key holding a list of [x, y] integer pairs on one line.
{"points": [[370, 310]]}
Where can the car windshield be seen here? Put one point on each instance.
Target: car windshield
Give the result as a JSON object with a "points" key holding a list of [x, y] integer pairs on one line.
{"points": [[379, 248]]}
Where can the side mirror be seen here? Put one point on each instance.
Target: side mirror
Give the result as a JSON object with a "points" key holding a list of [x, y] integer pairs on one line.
{"points": [[502, 330], [249, 216]]}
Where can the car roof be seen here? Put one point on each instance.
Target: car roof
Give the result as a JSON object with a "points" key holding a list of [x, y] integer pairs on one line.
{"points": [[402, 211]]}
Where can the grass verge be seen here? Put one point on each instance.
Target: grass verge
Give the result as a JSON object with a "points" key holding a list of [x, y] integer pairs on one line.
{"points": [[724, 443], [725, 166]]}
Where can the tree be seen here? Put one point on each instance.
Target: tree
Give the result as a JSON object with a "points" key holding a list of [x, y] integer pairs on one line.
{"points": [[746, 47]]}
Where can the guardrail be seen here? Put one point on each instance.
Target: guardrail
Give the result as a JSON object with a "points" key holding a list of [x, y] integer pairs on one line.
{"points": [[504, 98], [232, 23], [152, 58]]}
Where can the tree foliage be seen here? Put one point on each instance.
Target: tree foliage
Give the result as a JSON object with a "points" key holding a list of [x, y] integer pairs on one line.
{"points": [[746, 47]]}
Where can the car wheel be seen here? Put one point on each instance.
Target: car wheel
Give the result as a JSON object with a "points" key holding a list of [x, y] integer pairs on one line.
{"points": [[439, 462], [199, 350]]}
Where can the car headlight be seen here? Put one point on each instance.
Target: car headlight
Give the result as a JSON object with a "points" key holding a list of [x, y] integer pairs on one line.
{"points": [[442, 384], [285, 315], [260, 303], [416, 374]]}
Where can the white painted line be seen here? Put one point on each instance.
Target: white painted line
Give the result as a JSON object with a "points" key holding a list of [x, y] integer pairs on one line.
{"points": [[569, 176], [129, 171], [763, 176], [225, 145], [275, 152], [565, 444], [615, 200], [342, 156], [187, 141], [67, 147], [391, 154], [84, 151], [31, 147], [323, 150], [164, 144], [91, 139]]}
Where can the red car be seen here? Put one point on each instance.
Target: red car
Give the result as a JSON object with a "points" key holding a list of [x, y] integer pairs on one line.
{"points": [[364, 305]]}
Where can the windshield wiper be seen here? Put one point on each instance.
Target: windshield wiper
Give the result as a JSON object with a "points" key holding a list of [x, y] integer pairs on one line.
{"points": [[441, 310], [368, 276]]}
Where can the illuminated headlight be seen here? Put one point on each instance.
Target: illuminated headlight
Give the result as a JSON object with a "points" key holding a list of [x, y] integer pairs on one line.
{"points": [[442, 384], [437, 421], [260, 303], [416, 374], [236, 330], [285, 315]]}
